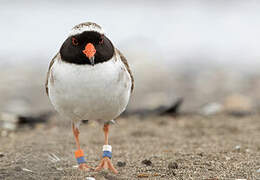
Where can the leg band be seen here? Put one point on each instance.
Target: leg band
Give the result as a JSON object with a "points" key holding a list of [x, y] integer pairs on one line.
{"points": [[107, 151], [79, 154]]}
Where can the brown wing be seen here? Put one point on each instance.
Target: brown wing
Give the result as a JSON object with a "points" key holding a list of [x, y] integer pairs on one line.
{"points": [[48, 74], [123, 59]]}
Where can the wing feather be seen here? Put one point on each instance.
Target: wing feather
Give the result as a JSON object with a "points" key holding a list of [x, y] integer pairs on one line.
{"points": [[48, 74], [124, 60]]}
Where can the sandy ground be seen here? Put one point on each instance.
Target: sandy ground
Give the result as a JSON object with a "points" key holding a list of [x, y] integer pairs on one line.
{"points": [[187, 147]]}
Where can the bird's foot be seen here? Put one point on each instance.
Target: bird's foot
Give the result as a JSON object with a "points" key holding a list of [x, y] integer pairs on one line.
{"points": [[106, 164], [79, 154], [85, 167]]}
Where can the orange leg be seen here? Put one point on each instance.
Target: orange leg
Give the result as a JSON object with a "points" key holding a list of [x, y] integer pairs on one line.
{"points": [[106, 161], [79, 152]]}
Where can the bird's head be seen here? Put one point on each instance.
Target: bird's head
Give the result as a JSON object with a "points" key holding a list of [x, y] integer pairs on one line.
{"points": [[87, 44]]}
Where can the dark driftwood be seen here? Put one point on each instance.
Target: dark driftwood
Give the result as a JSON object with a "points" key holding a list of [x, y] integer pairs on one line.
{"points": [[172, 110], [10, 121]]}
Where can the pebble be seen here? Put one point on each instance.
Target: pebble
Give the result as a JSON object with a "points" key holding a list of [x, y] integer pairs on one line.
{"points": [[147, 162], [143, 175], [237, 147], [211, 109], [228, 158], [27, 170], [200, 154], [258, 170], [90, 178], [156, 174], [17, 168], [173, 165], [8, 121], [1, 154], [238, 104], [121, 164]]}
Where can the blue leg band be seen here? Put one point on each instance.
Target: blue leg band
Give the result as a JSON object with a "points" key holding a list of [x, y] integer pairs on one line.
{"points": [[81, 160], [107, 154]]}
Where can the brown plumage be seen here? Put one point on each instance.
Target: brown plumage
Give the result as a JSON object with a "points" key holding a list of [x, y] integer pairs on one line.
{"points": [[48, 74], [127, 67]]}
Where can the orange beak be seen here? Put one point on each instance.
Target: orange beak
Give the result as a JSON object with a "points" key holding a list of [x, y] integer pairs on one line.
{"points": [[90, 51]]}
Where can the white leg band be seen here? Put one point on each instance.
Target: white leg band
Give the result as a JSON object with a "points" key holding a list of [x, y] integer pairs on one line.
{"points": [[107, 148]]}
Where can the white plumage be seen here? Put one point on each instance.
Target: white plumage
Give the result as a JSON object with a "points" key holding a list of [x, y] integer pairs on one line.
{"points": [[99, 92], [92, 81], [80, 28]]}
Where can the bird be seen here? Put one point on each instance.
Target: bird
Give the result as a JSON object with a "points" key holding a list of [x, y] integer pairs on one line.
{"points": [[89, 79]]}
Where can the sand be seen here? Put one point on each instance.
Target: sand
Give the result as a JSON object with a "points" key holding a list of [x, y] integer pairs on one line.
{"points": [[187, 147]]}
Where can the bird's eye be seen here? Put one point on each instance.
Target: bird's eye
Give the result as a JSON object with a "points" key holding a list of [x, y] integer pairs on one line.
{"points": [[74, 41], [101, 40]]}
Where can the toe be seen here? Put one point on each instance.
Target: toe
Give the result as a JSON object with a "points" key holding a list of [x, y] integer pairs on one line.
{"points": [[84, 167], [106, 164]]}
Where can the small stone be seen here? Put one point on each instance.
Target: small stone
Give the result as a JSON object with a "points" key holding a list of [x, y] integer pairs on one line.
{"points": [[227, 158], [200, 154], [75, 166], [8, 121], [90, 178], [156, 174], [258, 170], [237, 147], [59, 169], [1, 154], [27, 170], [121, 164], [143, 175], [147, 162], [211, 109], [17, 168], [173, 165], [238, 104], [108, 176]]}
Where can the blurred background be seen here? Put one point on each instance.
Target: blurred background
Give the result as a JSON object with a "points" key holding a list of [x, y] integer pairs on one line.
{"points": [[206, 52], [196, 102]]}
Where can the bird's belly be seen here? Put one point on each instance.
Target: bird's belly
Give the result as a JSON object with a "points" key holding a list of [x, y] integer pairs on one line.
{"points": [[99, 92]]}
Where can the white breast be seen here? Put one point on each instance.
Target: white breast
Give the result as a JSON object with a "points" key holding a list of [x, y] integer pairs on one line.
{"points": [[99, 92]]}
